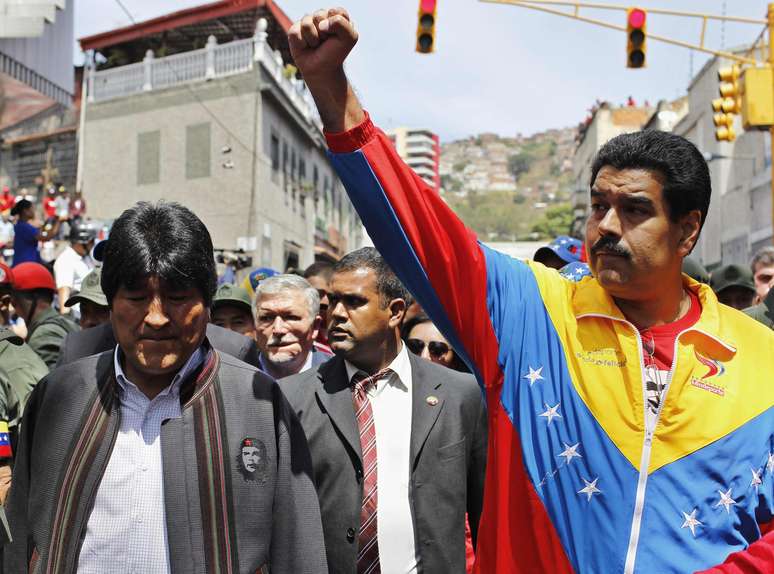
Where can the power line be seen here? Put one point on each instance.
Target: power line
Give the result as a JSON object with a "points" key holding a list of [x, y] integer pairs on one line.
{"points": [[198, 100], [128, 14]]}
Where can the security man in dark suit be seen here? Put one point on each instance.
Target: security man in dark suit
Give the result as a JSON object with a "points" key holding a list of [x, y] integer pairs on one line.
{"points": [[398, 443]]}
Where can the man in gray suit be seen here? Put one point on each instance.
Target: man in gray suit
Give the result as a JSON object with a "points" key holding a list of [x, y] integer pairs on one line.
{"points": [[287, 320], [162, 454], [398, 444]]}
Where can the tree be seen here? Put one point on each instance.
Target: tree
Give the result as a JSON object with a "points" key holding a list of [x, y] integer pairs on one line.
{"points": [[519, 164], [557, 220]]}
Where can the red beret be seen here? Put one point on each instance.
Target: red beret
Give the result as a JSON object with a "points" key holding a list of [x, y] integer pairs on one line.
{"points": [[28, 276]]}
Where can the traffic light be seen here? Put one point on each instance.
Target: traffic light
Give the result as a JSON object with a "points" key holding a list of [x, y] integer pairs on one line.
{"points": [[724, 124], [757, 90], [636, 40], [426, 26], [727, 105]]}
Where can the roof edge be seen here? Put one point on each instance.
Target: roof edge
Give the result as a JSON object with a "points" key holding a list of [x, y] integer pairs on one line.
{"points": [[181, 18]]}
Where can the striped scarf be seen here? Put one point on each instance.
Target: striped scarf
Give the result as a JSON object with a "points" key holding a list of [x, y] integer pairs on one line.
{"points": [[100, 424]]}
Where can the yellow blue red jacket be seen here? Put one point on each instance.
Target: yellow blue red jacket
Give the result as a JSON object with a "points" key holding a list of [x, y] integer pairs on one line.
{"points": [[574, 481]]}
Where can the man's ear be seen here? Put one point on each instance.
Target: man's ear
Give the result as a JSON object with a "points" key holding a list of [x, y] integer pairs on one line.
{"points": [[690, 225], [397, 309], [316, 324]]}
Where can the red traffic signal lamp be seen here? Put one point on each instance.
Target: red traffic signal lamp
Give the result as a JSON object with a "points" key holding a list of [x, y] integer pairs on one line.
{"points": [[636, 39], [426, 26]]}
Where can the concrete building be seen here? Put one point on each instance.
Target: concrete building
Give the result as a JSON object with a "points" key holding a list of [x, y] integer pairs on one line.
{"points": [[420, 149], [604, 123], [739, 220], [38, 94], [35, 45], [225, 129]]}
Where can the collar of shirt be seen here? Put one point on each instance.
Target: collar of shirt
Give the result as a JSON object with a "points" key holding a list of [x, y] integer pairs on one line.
{"points": [[401, 377], [193, 363]]}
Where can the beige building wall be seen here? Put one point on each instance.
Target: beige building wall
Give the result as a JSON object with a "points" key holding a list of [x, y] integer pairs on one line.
{"points": [[244, 199]]}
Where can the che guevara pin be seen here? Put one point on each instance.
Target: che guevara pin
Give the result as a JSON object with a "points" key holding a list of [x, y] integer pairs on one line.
{"points": [[252, 463]]}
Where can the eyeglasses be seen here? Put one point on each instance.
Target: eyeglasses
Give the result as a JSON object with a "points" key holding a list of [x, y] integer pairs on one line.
{"points": [[435, 348]]}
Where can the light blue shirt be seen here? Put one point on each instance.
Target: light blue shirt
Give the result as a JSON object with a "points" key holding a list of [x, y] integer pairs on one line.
{"points": [[127, 529]]}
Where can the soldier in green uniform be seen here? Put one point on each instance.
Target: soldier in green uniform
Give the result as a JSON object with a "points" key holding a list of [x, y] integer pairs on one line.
{"points": [[20, 371], [32, 297], [94, 306], [764, 311]]}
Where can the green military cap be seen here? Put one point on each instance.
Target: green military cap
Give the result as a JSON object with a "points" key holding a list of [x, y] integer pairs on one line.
{"points": [[233, 295], [695, 270], [91, 290], [732, 276]]}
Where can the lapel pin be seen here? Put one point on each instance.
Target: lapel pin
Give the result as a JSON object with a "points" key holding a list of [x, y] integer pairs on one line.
{"points": [[432, 401]]}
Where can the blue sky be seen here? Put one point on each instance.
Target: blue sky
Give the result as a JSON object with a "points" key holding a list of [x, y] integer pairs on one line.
{"points": [[497, 68]]}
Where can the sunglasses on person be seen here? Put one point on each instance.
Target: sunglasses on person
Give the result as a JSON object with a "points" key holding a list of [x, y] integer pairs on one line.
{"points": [[435, 348]]}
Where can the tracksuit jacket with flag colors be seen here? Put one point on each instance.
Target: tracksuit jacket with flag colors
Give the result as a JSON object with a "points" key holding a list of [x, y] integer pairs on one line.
{"points": [[575, 480]]}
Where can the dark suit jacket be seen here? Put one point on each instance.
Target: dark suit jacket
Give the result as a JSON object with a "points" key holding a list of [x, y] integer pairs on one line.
{"points": [[448, 459], [100, 339], [269, 516]]}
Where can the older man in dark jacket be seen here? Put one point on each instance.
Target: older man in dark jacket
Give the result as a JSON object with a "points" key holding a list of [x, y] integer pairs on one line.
{"points": [[161, 455]]}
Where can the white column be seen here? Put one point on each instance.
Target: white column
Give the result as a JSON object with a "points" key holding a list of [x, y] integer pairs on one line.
{"points": [[259, 38], [209, 52], [147, 64]]}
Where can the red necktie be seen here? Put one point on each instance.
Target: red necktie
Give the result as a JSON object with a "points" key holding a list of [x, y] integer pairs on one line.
{"points": [[368, 554]]}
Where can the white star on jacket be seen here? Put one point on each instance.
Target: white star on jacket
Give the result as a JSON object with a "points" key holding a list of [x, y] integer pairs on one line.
{"points": [[725, 500], [691, 522], [756, 478], [534, 375], [770, 463], [551, 413], [570, 452], [590, 489]]}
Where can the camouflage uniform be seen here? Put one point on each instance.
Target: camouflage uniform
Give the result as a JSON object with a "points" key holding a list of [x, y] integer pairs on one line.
{"points": [[20, 371], [46, 333], [763, 312]]}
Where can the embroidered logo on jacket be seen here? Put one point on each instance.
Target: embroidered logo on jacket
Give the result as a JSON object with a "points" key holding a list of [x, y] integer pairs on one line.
{"points": [[251, 460], [716, 368]]}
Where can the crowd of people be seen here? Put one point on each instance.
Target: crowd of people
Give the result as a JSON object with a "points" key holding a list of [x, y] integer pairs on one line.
{"points": [[748, 289], [153, 308], [425, 405]]}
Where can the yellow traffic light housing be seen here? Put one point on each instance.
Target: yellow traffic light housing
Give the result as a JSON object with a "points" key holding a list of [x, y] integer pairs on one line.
{"points": [[636, 39], [728, 104], [725, 127], [426, 26], [757, 89]]}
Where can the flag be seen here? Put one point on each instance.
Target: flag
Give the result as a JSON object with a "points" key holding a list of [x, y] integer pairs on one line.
{"points": [[5, 441]]}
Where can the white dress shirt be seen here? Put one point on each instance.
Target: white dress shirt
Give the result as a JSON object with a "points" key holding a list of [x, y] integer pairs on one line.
{"points": [[391, 405], [127, 529]]}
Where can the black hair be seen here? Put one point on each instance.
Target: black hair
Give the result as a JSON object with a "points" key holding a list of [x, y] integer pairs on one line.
{"points": [[405, 330], [687, 184], [165, 240], [409, 325], [323, 269], [388, 285], [33, 295]]}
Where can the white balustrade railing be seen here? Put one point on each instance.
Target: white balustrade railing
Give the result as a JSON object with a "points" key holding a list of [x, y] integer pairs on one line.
{"points": [[213, 61], [177, 69]]}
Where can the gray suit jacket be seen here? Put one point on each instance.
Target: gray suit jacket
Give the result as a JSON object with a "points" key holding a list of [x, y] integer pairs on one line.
{"points": [[448, 459], [218, 514], [100, 339]]}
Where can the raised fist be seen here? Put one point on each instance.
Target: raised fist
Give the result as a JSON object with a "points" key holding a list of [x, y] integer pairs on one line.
{"points": [[320, 42]]}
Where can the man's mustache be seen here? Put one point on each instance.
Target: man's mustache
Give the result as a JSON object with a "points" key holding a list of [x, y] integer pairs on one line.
{"points": [[281, 341], [611, 245]]}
